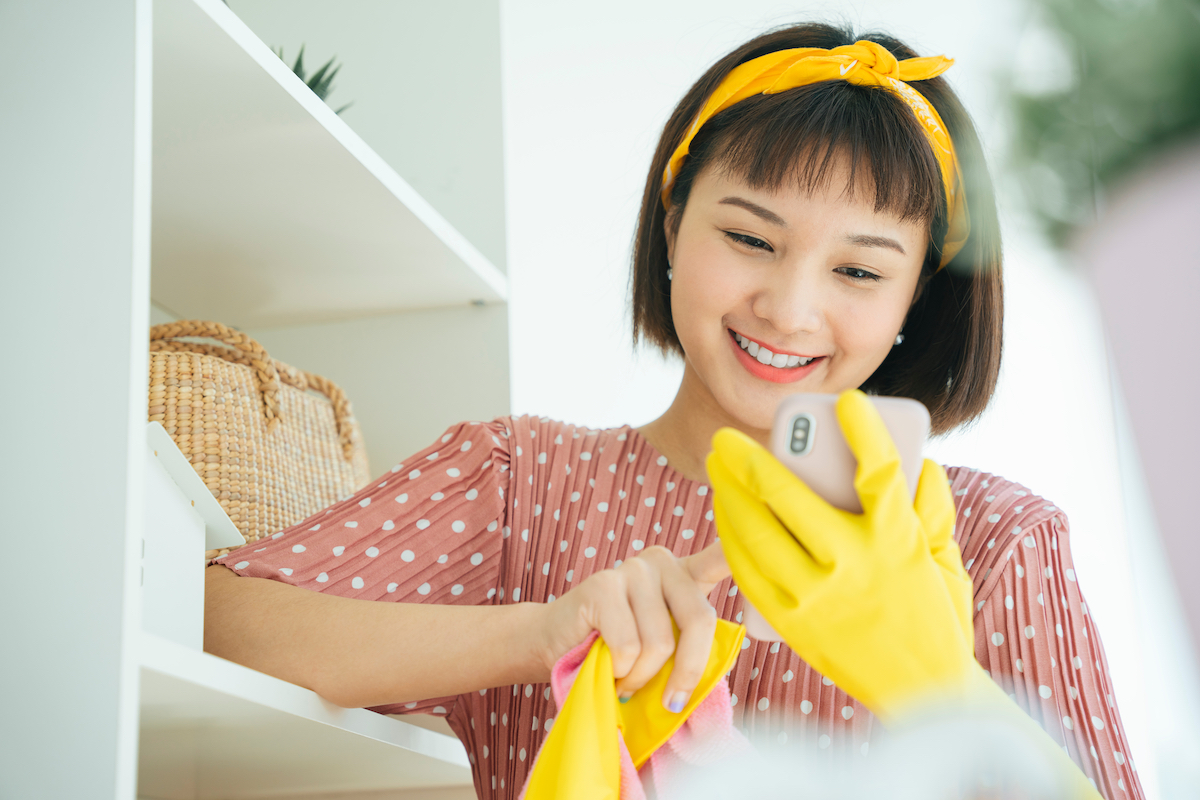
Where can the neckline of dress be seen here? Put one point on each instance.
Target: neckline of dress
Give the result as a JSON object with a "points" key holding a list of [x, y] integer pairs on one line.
{"points": [[680, 478]]}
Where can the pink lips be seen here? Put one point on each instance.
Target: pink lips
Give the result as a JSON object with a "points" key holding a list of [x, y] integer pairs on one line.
{"points": [[769, 373]]}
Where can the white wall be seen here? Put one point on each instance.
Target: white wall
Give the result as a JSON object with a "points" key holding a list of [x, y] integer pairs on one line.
{"points": [[587, 90]]}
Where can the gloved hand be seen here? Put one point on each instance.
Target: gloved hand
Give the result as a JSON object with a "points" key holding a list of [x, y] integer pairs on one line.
{"points": [[860, 597]]}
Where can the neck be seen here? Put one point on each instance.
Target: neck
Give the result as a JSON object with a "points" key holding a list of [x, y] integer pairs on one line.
{"points": [[684, 432]]}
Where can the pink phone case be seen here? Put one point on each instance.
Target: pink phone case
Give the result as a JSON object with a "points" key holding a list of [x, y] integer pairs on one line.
{"points": [[807, 439]]}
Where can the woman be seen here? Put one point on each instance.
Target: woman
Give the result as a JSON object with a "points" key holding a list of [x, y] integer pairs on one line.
{"points": [[799, 246]]}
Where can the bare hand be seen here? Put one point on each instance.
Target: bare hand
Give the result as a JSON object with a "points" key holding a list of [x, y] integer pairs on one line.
{"points": [[632, 607]]}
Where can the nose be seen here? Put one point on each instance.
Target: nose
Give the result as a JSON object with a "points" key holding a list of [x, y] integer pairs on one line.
{"points": [[792, 300]]}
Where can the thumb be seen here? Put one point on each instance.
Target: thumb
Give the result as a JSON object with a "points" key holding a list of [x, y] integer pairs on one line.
{"points": [[708, 567]]}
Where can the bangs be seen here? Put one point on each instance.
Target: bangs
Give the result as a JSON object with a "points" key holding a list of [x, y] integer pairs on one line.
{"points": [[797, 139]]}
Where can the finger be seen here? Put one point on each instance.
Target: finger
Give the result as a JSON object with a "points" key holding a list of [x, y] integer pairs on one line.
{"points": [[935, 507], [766, 548], [708, 567], [615, 620], [802, 511], [879, 478], [656, 634], [697, 623]]}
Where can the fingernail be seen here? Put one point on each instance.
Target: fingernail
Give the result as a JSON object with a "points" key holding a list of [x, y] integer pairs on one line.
{"points": [[624, 698], [678, 701]]}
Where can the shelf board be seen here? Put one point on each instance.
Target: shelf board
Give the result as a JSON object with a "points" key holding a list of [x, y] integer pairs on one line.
{"points": [[211, 728], [268, 210]]}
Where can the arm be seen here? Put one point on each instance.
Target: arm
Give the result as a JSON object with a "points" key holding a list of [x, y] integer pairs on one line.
{"points": [[361, 653], [1034, 636]]}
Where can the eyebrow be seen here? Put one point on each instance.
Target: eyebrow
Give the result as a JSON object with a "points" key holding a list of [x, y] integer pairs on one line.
{"points": [[864, 240], [756, 210]]}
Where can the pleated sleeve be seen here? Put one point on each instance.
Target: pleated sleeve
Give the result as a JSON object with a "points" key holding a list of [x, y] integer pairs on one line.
{"points": [[426, 531], [1033, 633]]}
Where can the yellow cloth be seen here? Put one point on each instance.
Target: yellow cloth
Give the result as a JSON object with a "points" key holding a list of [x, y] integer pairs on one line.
{"points": [[580, 757], [865, 64]]}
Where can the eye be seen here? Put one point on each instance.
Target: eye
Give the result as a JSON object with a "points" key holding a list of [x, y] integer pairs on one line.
{"points": [[858, 274], [749, 241]]}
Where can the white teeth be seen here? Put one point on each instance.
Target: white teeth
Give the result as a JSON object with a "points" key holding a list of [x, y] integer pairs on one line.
{"points": [[765, 356]]}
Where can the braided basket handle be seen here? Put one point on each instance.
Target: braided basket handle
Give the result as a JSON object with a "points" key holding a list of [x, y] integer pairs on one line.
{"points": [[258, 360]]}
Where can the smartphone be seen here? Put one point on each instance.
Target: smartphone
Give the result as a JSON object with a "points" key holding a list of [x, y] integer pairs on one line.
{"points": [[807, 439]]}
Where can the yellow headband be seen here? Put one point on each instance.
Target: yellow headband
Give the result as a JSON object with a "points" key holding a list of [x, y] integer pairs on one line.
{"points": [[862, 63]]}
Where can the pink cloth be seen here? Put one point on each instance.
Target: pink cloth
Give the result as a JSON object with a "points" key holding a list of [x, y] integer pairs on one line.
{"points": [[707, 735], [525, 508]]}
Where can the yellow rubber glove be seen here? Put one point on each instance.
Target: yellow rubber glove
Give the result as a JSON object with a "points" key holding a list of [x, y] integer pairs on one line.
{"points": [[861, 599], [581, 757], [878, 602]]}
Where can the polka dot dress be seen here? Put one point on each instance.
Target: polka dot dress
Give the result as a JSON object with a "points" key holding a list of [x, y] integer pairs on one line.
{"points": [[524, 508]]}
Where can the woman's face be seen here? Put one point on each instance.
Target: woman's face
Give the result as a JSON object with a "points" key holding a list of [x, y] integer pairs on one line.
{"points": [[820, 276]]}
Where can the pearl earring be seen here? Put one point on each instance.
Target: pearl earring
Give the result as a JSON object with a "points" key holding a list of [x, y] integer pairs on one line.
{"points": [[669, 273], [899, 338]]}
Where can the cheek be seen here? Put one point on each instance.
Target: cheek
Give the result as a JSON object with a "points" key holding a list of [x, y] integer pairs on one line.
{"points": [[704, 292], [867, 328]]}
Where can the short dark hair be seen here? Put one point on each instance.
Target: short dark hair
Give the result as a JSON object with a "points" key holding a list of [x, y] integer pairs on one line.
{"points": [[950, 358]]}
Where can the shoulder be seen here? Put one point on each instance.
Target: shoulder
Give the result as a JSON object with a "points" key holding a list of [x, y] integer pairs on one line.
{"points": [[995, 515], [540, 438]]}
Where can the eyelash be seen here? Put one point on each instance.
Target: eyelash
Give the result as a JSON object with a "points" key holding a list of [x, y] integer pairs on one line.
{"points": [[746, 241]]}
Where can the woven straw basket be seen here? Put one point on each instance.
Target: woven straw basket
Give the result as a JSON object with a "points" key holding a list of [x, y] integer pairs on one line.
{"points": [[271, 452]]}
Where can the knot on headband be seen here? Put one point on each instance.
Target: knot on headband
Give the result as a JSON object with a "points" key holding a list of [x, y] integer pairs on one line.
{"points": [[864, 64]]}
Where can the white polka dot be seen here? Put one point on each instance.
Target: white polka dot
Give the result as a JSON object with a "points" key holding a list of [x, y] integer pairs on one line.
{"points": [[351, 524], [1049, 573], [746, 643], [529, 690], [1077, 662], [611, 535], [537, 510], [322, 578], [638, 544], [764, 703], [670, 486], [703, 490], [993, 518], [1029, 632], [570, 575], [520, 452], [416, 473], [541, 458], [612, 468], [472, 494], [316, 527], [423, 588], [823, 741], [337, 551], [827, 681], [649, 502], [1020, 665], [787, 676], [847, 712], [1071, 690], [589, 552], [516, 594], [774, 647], [1008, 601], [391, 587], [477, 559], [1041, 599], [546, 568], [641, 479], [580, 524], [630, 519], [357, 583], [805, 707], [708, 515], [277, 535], [733, 590], [458, 526], [1029, 542], [525, 535], [1058, 630], [1119, 756], [372, 552], [1045, 691], [679, 511], [387, 526], [967, 512], [286, 570], [491, 593], [1069, 723], [241, 565], [687, 534], [602, 507], [1020, 571], [456, 589], [298, 548], [733, 700], [754, 673], [585, 456], [402, 498], [407, 555], [422, 524], [997, 638]]}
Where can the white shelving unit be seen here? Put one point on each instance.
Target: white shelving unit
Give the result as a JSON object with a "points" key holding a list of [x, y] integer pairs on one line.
{"points": [[184, 164]]}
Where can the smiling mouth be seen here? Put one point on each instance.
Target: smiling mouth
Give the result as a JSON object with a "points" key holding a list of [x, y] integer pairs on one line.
{"points": [[764, 356]]}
